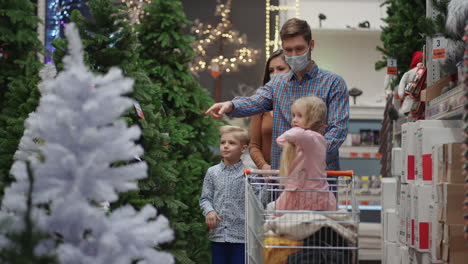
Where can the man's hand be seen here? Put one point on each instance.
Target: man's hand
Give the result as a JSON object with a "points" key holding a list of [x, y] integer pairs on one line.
{"points": [[219, 109], [211, 219]]}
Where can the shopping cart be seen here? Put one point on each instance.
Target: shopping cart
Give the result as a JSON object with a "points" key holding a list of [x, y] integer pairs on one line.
{"points": [[300, 236]]}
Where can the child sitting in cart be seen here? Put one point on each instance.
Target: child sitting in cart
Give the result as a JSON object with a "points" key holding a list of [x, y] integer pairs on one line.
{"points": [[303, 159]]}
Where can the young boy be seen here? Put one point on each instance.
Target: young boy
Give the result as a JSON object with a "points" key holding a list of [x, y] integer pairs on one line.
{"points": [[222, 199]]}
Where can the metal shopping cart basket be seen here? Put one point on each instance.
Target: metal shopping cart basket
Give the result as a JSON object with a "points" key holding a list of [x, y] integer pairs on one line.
{"points": [[277, 234]]}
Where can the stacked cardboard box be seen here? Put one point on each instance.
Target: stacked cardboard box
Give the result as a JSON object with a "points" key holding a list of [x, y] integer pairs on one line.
{"points": [[428, 200]]}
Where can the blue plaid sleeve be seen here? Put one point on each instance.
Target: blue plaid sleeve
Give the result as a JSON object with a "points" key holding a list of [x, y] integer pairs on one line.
{"points": [[338, 116], [260, 102]]}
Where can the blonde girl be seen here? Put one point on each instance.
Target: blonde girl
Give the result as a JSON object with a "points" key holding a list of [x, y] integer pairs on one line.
{"points": [[303, 159]]}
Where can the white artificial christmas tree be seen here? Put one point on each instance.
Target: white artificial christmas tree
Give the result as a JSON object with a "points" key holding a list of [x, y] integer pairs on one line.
{"points": [[72, 143]]}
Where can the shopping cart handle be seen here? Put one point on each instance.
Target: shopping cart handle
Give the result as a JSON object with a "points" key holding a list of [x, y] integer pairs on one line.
{"points": [[248, 171]]}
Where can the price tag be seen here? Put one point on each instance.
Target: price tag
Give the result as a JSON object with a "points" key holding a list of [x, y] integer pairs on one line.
{"points": [[391, 66], [438, 48], [138, 110]]}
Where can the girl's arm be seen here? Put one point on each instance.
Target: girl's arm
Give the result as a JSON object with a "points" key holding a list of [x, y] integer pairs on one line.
{"points": [[206, 197], [256, 141], [300, 137]]}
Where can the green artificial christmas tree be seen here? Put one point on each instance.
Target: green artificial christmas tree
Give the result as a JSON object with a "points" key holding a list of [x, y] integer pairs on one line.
{"points": [[19, 67], [402, 37], [110, 41], [179, 171]]}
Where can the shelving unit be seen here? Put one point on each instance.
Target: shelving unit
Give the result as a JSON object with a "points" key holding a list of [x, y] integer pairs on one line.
{"points": [[447, 106]]}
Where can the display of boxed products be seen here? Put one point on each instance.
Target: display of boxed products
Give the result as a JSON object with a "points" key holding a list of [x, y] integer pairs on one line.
{"points": [[409, 140], [451, 202], [426, 138]]}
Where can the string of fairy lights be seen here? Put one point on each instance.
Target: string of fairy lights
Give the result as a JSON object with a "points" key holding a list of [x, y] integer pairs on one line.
{"points": [[57, 15], [136, 9], [221, 34], [274, 44]]}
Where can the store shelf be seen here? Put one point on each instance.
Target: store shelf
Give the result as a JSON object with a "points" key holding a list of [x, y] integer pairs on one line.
{"points": [[366, 112], [447, 106], [363, 152], [354, 32]]}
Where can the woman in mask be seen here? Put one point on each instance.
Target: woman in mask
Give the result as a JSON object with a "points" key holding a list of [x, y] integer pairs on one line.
{"points": [[262, 124]]}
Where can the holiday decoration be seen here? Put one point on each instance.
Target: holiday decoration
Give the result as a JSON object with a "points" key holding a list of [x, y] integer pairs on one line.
{"points": [[273, 11], [58, 15], [447, 26], [19, 67], [401, 38], [78, 121], [176, 116], [136, 9], [221, 35]]}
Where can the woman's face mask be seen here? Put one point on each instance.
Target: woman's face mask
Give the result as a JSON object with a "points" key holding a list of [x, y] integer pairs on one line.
{"points": [[277, 75], [298, 63]]}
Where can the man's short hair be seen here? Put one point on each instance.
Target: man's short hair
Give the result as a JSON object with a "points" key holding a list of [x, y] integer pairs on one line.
{"points": [[239, 133], [296, 27]]}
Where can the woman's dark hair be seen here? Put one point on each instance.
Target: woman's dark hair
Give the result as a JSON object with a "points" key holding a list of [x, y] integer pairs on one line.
{"points": [[275, 54]]}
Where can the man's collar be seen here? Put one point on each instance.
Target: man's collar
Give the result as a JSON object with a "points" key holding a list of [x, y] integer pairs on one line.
{"points": [[310, 73]]}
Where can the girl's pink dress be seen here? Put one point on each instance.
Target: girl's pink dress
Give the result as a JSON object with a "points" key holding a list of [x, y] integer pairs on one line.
{"points": [[310, 162]]}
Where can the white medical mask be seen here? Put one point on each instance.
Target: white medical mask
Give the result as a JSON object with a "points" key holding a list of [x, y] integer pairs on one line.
{"points": [[278, 75], [297, 63]]}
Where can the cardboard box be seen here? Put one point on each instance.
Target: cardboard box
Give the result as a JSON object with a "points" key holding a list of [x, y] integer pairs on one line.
{"points": [[454, 163], [391, 253], [422, 201], [397, 162], [408, 143], [451, 206], [412, 217], [438, 168], [408, 149], [390, 226], [426, 138], [454, 246], [436, 234], [434, 90], [404, 255], [389, 193], [402, 211]]}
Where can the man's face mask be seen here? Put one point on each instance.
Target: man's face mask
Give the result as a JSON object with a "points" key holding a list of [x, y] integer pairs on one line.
{"points": [[298, 63]]}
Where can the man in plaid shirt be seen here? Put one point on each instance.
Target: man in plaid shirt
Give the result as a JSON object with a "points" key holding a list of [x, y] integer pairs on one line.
{"points": [[304, 79]]}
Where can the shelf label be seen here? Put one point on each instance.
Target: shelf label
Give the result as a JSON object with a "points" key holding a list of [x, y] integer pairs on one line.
{"points": [[438, 48], [391, 66]]}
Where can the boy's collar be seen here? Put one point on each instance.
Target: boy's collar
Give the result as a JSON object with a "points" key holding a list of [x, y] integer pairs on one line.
{"points": [[234, 166]]}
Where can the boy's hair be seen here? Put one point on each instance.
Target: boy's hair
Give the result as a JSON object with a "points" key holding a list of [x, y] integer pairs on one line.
{"points": [[315, 112], [239, 133], [296, 27]]}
